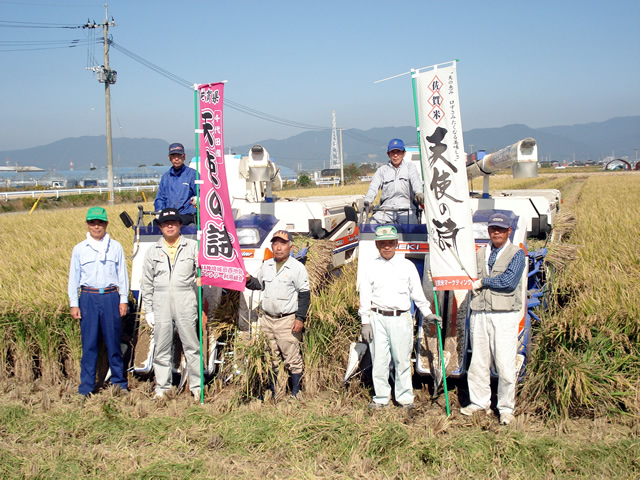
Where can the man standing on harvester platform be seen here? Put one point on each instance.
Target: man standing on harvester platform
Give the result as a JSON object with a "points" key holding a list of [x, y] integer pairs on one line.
{"points": [[388, 285], [497, 299], [99, 271], [285, 302], [177, 187]]}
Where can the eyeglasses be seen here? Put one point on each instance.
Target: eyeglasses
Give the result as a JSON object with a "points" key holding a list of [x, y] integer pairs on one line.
{"points": [[396, 152]]}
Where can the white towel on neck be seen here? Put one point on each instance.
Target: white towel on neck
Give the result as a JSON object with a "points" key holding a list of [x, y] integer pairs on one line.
{"points": [[99, 246]]}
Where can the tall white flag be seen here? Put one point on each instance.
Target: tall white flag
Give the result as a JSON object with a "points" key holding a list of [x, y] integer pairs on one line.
{"points": [[449, 222]]}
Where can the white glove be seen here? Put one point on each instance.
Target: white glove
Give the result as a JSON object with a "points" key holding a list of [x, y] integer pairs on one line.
{"points": [[433, 318], [419, 198], [194, 201], [367, 333], [150, 318], [476, 286]]}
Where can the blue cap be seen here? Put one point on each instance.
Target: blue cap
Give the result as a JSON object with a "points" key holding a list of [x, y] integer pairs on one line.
{"points": [[499, 220], [395, 144], [176, 148]]}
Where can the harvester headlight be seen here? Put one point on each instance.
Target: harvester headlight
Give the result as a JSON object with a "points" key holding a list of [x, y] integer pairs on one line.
{"points": [[248, 236]]}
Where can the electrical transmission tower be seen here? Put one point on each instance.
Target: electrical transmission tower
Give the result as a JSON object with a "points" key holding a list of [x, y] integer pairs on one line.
{"points": [[334, 161], [107, 76]]}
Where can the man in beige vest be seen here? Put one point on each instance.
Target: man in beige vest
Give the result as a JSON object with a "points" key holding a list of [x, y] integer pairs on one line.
{"points": [[497, 298]]}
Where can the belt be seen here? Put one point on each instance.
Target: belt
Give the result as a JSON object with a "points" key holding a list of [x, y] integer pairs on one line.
{"points": [[280, 315], [389, 313], [101, 291]]}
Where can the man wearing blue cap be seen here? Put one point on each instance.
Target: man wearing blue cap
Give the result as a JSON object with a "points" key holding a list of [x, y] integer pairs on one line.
{"points": [[177, 187], [400, 184], [98, 272], [497, 298], [388, 285]]}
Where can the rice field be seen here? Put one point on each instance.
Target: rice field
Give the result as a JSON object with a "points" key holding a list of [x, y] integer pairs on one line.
{"points": [[578, 408]]}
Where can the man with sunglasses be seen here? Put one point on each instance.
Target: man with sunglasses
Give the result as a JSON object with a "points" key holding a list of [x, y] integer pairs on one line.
{"points": [[401, 188], [98, 271], [496, 301]]}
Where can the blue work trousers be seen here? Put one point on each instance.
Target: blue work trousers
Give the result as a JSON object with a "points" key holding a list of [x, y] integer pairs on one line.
{"points": [[100, 313]]}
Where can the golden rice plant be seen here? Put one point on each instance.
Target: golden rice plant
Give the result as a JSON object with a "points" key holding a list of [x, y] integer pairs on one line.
{"points": [[587, 355]]}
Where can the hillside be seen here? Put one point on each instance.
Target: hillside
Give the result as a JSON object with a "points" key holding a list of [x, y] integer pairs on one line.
{"points": [[311, 150]]}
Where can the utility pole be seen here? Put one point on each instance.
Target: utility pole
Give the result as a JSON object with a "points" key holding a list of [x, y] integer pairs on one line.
{"points": [[108, 77]]}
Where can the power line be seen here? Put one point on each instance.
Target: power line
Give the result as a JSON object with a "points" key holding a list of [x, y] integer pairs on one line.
{"points": [[14, 24]]}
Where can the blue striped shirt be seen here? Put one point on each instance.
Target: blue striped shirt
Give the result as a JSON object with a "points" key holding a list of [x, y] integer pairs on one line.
{"points": [[90, 270], [507, 281]]}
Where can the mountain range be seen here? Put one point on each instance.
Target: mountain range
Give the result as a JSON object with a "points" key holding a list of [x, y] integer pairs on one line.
{"points": [[618, 137]]}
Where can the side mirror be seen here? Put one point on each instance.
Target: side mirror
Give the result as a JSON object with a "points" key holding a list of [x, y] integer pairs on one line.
{"points": [[126, 219]]}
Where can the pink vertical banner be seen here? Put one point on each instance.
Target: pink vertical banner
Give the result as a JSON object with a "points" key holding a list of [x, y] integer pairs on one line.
{"points": [[220, 256]]}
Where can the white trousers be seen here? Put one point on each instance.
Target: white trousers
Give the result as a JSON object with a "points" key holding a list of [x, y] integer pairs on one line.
{"points": [[494, 340], [392, 339]]}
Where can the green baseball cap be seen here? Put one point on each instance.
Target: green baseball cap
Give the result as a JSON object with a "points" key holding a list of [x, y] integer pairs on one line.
{"points": [[386, 232], [97, 213]]}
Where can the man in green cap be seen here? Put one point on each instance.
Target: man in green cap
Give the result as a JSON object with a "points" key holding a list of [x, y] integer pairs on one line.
{"points": [[388, 286], [98, 295]]}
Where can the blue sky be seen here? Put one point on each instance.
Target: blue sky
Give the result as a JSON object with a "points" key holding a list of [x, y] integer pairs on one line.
{"points": [[537, 63]]}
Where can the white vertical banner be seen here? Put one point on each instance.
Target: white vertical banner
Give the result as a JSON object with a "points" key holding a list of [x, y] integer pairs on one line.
{"points": [[446, 192]]}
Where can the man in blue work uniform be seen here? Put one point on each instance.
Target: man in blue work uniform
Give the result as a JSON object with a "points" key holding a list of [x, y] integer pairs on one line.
{"points": [[99, 271], [495, 306], [177, 187]]}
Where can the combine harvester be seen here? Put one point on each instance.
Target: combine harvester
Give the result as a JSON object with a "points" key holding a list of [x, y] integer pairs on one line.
{"points": [[258, 213], [532, 214]]}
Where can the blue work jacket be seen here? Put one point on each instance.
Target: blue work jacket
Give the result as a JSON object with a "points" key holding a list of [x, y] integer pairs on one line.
{"points": [[176, 190]]}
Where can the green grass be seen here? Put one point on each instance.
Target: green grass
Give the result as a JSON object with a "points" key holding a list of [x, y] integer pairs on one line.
{"points": [[108, 438]]}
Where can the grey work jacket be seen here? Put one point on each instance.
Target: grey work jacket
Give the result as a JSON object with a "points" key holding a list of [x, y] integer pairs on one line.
{"points": [[490, 300], [170, 288], [399, 185]]}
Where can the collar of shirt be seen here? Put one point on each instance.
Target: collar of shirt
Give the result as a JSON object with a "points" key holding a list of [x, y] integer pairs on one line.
{"points": [[179, 172]]}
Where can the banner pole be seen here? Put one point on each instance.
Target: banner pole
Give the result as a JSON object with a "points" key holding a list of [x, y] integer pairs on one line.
{"points": [[444, 370], [198, 166]]}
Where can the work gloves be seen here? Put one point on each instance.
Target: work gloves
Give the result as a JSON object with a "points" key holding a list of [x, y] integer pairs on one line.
{"points": [[433, 318], [367, 333], [476, 286], [149, 317], [419, 198]]}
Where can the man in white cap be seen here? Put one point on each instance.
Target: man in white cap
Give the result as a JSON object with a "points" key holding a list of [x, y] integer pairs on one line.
{"points": [[400, 184], [497, 299], [387, 287], [169, 295], [285, 303]]}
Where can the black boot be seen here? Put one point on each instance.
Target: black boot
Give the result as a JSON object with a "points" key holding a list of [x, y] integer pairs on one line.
{"points": [[295, 383]]}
